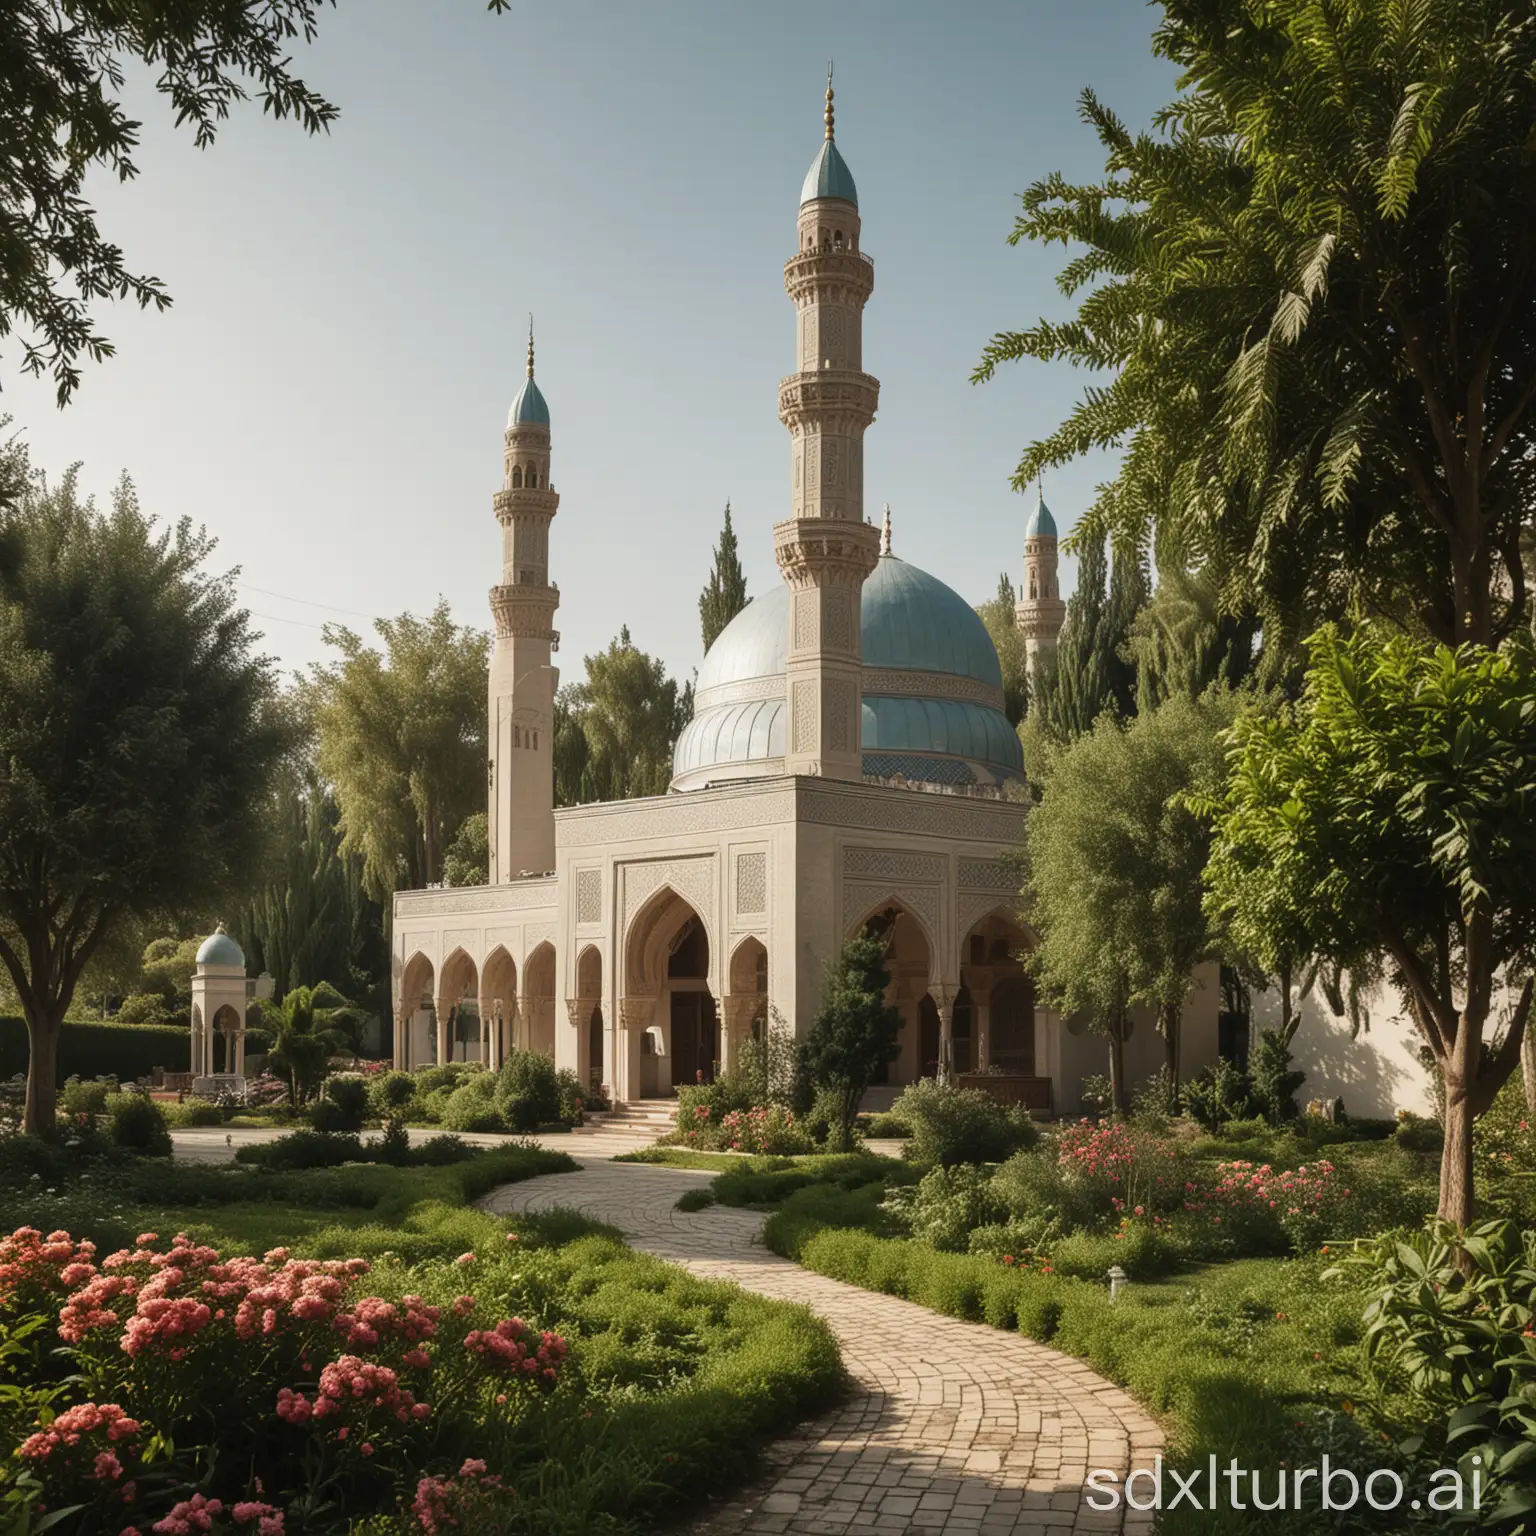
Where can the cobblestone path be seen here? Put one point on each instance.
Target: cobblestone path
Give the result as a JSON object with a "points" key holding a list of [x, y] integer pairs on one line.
{"points": [[952, 1426]]}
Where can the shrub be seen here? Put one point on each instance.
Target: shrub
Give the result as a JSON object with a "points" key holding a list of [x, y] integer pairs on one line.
{"points": [[328, 1117], [349, 1093], [304, 1149], [1119, 1168], [126, 1052], [1418, 1133], [472, 1106], [886, 1128], [1274, 1081], [1137, 1247], [1034, 1187], [81, 1098], [947, 1205], [202, 1112], [144, 1008], [394, 1146], [138, 1125], [1501, 1137], [767, 1128], [390, 1091], [1266, 1210], [441, 1151], [1218, 1094], [1157, 1099], [572, 1097], [952, 1125], [449, 1075], [695, 1199], [528, 1091]]}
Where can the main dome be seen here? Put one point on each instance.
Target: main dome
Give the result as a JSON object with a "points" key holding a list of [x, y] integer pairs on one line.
{"points": [[932, 697]]}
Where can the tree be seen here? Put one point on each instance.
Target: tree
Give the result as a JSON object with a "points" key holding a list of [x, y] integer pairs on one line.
{"points": [[1182, 641], [854, 1032], [725, 594], [628, 714], [309, 1026], [1390, 816], [61, 119], [1113, 867], [468, 860], [1003, 626], [308, 918], [402, 742], [1092, 672], [1316, 292], [138, 736]]}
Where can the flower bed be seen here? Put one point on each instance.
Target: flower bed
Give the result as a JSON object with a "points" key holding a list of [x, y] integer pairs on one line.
{"points": [[172, 1388]]}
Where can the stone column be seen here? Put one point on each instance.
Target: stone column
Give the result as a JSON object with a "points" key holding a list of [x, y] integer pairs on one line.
{"points": [[240, 1051], [445, 1023], [635, 1015], [944, 995], [983, 1029]]}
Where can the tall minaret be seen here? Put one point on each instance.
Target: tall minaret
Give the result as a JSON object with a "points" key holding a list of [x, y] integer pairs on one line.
{"points": [[826, 549], [1040, 610], [521, 823]]}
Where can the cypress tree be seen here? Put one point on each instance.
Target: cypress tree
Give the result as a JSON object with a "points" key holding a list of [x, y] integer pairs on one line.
{"points": [[725, 593]]}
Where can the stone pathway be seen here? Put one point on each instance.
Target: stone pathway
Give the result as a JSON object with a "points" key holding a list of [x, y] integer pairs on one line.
{"points": [[952, 1426]]}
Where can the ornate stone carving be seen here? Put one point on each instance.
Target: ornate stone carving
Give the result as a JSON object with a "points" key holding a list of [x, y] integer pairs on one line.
{"points": [[467, 939], [573, 1009], [837, 620], [922, 901], [538, 933], [840, 710], [704, 812], [975, 905], [805, 620], [891, 683], [745, 692], [692, 879], [636, 1012], [803, 716], [751, 883], [536, 893], [589, 896], [905, 810], [986, 875], [888, 864]]}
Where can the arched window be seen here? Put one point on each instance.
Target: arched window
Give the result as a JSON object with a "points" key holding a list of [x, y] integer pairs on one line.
{"points": [[517, 477], [533, 478], [837, 240], [517, 736], [535, 741], [1032, 592]]}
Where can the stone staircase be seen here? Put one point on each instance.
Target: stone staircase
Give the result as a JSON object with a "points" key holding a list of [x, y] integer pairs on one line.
{"points": [[639, 1121]]}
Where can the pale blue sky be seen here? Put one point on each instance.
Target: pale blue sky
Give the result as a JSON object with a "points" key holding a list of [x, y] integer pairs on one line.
{"points": [[329, 391]]}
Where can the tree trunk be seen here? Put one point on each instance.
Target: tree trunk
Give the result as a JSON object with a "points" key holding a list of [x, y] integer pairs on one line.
{"points": [[42, 1076], [1173, 1018], [1528, 1068], [1456, 1189], [1117, 1095]]}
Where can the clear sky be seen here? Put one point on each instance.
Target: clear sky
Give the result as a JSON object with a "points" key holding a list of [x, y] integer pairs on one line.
{"points": [[329, 391]]}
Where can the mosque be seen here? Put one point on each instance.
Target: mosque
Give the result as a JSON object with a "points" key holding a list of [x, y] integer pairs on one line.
{"points": [[849, 764]]}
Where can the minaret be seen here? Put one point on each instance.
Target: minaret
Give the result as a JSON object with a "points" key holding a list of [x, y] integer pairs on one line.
{"points": [[1040, 610], [826, 549], [521, 819]]}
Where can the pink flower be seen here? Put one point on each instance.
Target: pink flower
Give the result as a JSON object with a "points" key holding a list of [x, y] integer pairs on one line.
{"points": [[463, 1305], [465, 1258]]}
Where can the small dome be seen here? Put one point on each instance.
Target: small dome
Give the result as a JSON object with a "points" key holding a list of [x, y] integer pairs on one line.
{"points": [[1041, 524], [529, 409], [829, 176], [219, 949]]}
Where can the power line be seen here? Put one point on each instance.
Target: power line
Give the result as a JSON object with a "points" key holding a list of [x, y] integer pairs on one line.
{"points": [[304, 602], [277, 618]]}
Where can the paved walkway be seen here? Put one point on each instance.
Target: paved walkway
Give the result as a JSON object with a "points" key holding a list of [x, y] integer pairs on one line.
{"points": [[951, 1426]]}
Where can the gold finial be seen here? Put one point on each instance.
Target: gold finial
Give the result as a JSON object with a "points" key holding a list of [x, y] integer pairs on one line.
{"points": [[829, 99], [530, 346], [885, 532]]}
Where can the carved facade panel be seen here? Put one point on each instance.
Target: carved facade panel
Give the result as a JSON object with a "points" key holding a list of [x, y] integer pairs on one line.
{"points": [[516, 895], [803, 716], [692, 879], [467, 939], [745, 692], [503, 938], [840, 711], [888, 864], [974, 905], [538, 933], [674, 816], [911, 811], [861, 897], [805, 619], [931, 685], [589, 896], [986, 875], [837, 620], [751, 883]]}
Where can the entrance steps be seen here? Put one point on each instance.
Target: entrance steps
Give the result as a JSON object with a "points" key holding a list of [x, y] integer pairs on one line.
{"points": [[642, 1119]]}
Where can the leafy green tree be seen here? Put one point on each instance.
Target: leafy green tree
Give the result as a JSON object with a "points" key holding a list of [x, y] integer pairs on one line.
{"points": [[1003, 628], [308, 1028], [308, 918], [1390, 816], [138, 732], [1315, 295], [628, 714], [468, 860], [1092, 672], [854, 1032], [1182, 641], [62, 120], [725, 594], [1113, 867], [402, 742]]}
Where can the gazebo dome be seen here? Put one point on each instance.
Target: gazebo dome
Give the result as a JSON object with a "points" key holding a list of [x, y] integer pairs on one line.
{"points": [[219, 949], [932, 696]]}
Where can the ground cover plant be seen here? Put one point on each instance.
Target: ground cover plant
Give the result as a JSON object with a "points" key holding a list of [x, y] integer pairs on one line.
{"points": [[402, 1364]]}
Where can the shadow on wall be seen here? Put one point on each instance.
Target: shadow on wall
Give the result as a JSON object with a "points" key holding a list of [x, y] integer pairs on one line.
{"points": [[1376, 1074]]}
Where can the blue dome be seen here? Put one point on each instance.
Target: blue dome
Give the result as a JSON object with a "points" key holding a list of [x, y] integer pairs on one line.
{"points": [[1040, 521], [946, 724], [529, 409], [219, 949], [829, 176]]}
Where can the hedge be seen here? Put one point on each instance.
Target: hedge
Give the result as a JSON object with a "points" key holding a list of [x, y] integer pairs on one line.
{"points": [[123, 1051]]}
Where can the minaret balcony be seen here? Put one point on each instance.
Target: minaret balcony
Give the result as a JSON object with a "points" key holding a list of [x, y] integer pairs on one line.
{"points": [[831, 391], [523, 500], [818, 552], [525, 611]]}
